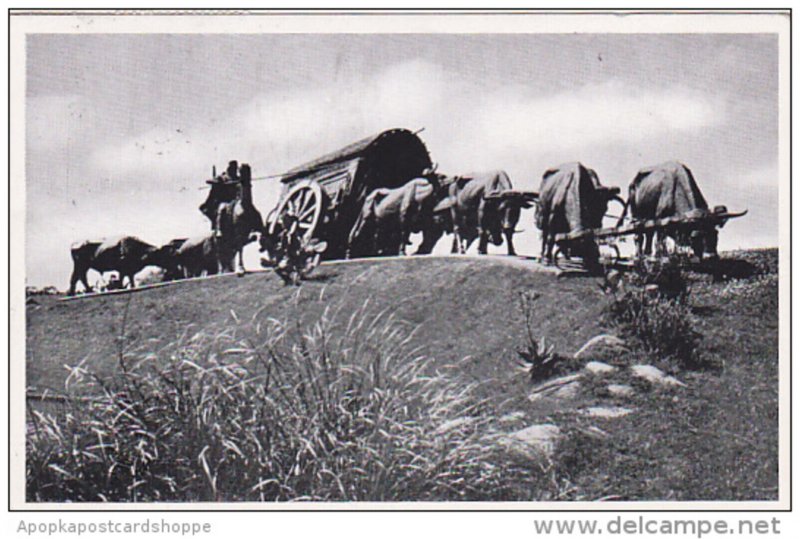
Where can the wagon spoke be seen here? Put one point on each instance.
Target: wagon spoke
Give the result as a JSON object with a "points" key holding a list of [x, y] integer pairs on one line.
{"points": [[308, 212], [299, 203], [311, 200], [290, 206], [300, 199], [303, 203]]}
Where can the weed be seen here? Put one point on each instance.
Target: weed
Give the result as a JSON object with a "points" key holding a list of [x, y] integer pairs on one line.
{"points": [[536, 358]]}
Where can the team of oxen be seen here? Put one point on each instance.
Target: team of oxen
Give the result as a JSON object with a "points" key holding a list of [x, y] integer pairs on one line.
{"points": [[483, 207], [235, 222]]}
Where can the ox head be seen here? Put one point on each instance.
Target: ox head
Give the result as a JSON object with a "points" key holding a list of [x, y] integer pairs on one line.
{"points": [[501, 212], [703, 240], [437, 179], [164, 257]]}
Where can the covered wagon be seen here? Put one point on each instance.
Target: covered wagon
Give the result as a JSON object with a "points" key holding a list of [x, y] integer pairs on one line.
{"points": [[327, 194]]}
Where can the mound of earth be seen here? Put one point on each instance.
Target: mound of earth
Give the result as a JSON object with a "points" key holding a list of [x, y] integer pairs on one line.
{"points": [[714, 436]]}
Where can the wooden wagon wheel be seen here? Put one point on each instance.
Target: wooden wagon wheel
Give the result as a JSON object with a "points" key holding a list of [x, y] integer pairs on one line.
{"points": [[610, 252], [304, 201]]}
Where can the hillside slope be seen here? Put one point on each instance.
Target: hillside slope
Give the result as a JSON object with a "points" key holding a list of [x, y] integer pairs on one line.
{"points": [[460, 307], [718, 441]]}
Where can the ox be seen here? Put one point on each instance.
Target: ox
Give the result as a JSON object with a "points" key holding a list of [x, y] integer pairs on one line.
{"points": [[234, 219], [484, 206], [571, 199], [390, 216], [670, 190], [166, 258], [126, 255], [197, 256]]}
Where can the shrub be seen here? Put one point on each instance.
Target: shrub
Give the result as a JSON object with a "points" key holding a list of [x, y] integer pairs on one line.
{"points": [[652, 305], [665, 275], [345, 410], [663, 326]]}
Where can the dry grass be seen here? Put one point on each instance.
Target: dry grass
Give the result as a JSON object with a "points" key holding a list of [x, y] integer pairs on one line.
{"points": [[345, 411]]}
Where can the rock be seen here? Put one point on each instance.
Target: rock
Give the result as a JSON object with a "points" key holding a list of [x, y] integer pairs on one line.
{"points": [[601, 341], [655, 376], [595, 432], [513, 417], [620, 390], [535, 442], [564, 387], [598, 367], [606, 412]]}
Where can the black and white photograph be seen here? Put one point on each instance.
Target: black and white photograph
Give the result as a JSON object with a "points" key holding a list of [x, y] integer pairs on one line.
{"points": [[504, 260]]}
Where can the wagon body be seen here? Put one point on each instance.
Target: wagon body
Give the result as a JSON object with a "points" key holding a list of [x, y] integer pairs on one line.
{"points": [[329, 192]]}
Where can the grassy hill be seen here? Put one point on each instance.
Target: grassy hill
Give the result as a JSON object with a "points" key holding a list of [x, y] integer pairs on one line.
{"points": [[716, 439], [457, 307]]}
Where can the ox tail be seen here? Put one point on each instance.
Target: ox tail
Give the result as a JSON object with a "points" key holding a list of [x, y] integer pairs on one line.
{"points": [[626, 204], [541, 217]]}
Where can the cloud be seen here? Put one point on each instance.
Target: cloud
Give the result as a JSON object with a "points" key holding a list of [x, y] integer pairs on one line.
{"points": [[281, 129], [56, 122], [466, 124], [593, 115]]}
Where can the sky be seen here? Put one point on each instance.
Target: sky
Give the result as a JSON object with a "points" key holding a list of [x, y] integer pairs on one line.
{"points": [[122, 130]]}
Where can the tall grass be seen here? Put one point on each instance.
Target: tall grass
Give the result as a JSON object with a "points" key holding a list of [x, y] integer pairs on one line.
{"points": [[343, 410]]}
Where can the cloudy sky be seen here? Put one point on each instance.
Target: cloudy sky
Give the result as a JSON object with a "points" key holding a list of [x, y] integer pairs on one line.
{"points": [[122, 130]]}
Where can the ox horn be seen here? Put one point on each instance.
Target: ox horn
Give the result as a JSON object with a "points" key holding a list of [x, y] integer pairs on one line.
{"points": [[723, 219], [733, 215]]}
